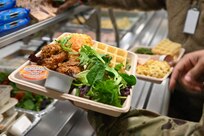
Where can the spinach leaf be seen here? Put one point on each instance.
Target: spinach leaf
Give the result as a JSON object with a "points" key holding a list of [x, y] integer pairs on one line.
{"points": [[96, 73], [130, 79]]}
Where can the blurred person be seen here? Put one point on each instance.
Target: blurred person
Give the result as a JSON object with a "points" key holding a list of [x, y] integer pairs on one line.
{"points": [[183, 104]]}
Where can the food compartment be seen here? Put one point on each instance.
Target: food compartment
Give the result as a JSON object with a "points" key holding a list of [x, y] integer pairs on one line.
{"points": [[80, 101]]}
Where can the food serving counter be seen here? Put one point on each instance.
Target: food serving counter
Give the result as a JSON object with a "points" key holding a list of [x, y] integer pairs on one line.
{"points": [[64, 119]]}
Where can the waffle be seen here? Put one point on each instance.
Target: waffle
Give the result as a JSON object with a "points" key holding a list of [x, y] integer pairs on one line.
{"points": [[118, 55], [167, 47]]}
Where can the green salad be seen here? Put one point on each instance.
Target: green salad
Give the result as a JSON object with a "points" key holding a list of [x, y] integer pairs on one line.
{"points": [[100, 82]]}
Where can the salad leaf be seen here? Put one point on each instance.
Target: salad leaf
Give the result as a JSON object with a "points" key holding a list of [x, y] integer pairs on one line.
{"points": [[82, 77], [95, 73], [87, 54], [130, 79], [105, 92], [28, 104]]}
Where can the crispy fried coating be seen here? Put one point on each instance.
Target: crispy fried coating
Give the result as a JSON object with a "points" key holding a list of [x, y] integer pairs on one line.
{"points": [[52, 61], [68, 68], [49, 50]]}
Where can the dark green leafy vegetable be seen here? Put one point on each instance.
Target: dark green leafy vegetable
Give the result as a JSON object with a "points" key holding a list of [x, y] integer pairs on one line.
{"points": [[106, 92], [130, 79], [96, 73], [99, 81], [144, 51]]}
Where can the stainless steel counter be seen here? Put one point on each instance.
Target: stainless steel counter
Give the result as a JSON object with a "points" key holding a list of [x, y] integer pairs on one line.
{"points": [[67, 120]]}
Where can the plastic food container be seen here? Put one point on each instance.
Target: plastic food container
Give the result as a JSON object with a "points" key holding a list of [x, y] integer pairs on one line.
{"points": [[34, 73], [4, 94], [78, 101]]}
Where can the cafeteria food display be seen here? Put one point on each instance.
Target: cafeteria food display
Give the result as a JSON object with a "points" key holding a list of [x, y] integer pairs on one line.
{"points": [[12, 121], [103, 75], [27, 102]]}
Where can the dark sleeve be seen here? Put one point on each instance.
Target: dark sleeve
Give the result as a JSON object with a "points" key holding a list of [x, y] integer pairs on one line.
{"points": [[130, 4]]}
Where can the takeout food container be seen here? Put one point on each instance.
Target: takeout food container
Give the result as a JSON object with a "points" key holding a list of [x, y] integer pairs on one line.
{"points": [[176, 60], [80, 101], [144, 57]]}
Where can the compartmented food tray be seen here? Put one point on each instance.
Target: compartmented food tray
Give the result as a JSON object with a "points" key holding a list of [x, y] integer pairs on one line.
{"points": [[79, 101], [157, 57], [181, 51]]}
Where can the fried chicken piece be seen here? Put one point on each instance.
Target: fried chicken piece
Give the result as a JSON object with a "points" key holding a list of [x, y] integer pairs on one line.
{"points": [[69, 68], [49, 50], [53, 61]]}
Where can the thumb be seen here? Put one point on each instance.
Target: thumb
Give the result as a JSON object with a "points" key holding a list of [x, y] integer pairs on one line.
{"points": [[196, 73]]}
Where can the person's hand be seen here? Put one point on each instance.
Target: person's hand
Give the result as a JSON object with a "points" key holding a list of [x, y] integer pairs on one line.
{"points": [[189, 72], [66, 5]]}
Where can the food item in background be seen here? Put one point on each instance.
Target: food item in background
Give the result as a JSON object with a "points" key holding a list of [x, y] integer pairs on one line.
{"points": [[13, 14], [122, 23], [31, 101], [20, 125], [39, 9], [167, 47], [153, 68], [7, 4], [26, 100], [144, 51], [34, 73]]}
